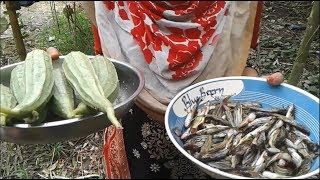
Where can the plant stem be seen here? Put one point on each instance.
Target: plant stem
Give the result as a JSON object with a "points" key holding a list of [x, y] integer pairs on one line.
{"points": [[313, 26]]}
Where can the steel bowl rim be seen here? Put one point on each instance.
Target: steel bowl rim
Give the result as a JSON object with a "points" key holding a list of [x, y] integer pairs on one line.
{"points": [[207, 167], [75, 120]]}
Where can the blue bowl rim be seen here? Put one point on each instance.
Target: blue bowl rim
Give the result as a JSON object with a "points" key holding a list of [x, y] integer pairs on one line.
{"points": [[207, 167]]}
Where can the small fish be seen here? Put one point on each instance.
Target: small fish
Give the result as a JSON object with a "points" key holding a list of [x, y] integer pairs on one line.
{"points": [[295, 124], [235, 160], [246, 130], [284, 171], [236, 139], [260, 114], [313, 147], [249, 156], [247, 120], [224, 127], [219, 146], [278, 156], [260, 121], [280, 111], [290, 144], [212, 129], [296, 158], [241, 149], [229, 115], [217, 140], [221, 134], [186, 134], [273, 150], [290, 112], [278, 124], [251, 104], [302, 149], [224, 121], [199, 119], [214, 156], [305, 167], [301, 136], [195, 142], [220, 108], [191, 114], [206, 145], [261, 162], [230, 139], [281, 137], [273, 137], [245, 104], [237, 114], [258, 140], [255, 132]]}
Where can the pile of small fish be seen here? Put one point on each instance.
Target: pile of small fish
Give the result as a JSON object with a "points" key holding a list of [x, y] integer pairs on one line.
{"points": [[244, 139]]}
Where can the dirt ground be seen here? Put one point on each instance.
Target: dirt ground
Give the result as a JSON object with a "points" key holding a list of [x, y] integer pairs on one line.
{"points": [[279, 42]]}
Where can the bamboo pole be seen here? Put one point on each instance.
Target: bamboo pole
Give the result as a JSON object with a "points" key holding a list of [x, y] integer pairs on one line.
{"points": [[16, 30], [301, 59]]}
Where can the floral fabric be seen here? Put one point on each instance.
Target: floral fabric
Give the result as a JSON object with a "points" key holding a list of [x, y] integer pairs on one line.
{"points": [[143, 150]]}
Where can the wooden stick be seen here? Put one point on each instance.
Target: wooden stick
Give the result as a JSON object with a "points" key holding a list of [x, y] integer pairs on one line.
{"points": [[16, 30]]}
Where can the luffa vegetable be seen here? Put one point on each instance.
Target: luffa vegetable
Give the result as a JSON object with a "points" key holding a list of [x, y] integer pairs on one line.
{"points": [[7, 100], [17, 86], [38, 86], [62, 98], [108, 78], [82, 77]]}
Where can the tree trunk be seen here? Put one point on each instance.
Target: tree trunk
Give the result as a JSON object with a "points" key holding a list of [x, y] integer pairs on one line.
{"points": [[16, 30], [312, 27]]}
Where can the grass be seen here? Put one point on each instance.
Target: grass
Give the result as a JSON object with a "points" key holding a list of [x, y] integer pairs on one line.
{"points": [[22, 173], [68, 35]]}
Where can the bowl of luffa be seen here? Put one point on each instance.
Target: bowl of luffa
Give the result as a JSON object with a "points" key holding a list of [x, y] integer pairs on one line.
{"points": [[47, 101]]}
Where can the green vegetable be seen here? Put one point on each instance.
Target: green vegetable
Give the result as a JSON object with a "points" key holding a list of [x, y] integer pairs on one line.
{"points": [[83, 78]]}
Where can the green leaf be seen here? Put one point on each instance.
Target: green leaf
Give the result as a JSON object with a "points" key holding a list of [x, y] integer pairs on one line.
{"points": [[4, 24], [313, 90]]}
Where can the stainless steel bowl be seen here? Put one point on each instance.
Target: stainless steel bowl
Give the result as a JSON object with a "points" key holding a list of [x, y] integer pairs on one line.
{"points": [[131, 83]]}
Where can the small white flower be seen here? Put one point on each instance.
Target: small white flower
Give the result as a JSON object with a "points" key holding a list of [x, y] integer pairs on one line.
{"points": [[155, 167], [136, 153], [145, 129], [144, 145], [131, 111]]}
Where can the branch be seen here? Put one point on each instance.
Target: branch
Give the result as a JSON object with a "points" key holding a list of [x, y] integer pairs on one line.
{"points": [[301, 59], [16, 30]]}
